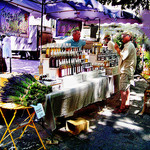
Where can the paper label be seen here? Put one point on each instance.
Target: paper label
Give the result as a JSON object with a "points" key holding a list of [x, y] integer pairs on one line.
{"points": [[39, 110]]}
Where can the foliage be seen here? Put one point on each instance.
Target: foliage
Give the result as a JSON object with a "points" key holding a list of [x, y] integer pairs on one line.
{"points": [[128, 4], [139, 67], [147, 58], [118, 40]]}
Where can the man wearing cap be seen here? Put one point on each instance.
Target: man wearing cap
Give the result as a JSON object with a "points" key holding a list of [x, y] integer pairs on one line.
{"points": [[127, 65], [109, 43]]}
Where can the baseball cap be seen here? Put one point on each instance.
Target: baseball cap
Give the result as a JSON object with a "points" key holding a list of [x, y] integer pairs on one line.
{"points": [[127, 33], [106, 36]]}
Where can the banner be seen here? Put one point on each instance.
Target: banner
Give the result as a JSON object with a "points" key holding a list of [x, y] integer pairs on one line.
{"points": [[64, 27], [13, 20]]}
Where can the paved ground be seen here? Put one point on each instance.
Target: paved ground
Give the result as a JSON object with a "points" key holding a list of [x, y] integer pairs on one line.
{"points": [[107, 131], [22, 65]]}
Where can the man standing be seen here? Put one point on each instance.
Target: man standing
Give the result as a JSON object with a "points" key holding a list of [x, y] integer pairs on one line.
{"points": [[109, 43], [127, 65], [75, 41]]}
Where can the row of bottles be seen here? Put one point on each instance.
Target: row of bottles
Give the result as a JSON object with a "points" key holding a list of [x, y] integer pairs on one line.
{"points": [[70, 69], [53, 48], [96, 48], [65, 57]]}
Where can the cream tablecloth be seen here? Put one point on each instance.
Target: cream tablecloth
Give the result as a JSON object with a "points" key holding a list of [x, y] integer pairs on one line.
{"points": [[65, 102]]}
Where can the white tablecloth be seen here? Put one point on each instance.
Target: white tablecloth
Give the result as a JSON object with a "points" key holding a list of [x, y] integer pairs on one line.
{"points": [[68, 100]]}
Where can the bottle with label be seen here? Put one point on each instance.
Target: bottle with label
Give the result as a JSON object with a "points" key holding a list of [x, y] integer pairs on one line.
{"points": [[51, 59], [47, 51], [83, 54], [57, 60]]}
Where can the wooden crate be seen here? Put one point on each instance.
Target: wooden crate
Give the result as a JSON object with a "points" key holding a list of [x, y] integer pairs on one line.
{"points": [[76, 126]]}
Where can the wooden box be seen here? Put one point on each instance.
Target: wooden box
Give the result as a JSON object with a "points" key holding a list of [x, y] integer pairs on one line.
{"points": [[76, 126], [40, 69]]}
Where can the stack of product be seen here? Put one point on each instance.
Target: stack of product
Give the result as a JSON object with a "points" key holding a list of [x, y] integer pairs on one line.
{"points": [[102, 58], [108, 57]]}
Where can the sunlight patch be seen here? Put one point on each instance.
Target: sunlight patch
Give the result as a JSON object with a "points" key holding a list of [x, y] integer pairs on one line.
{"points": [[136, 96], [93, 127], [83, 136], [102, 123], [128, 125], [146, 137], [1, 126], [105, 112]]}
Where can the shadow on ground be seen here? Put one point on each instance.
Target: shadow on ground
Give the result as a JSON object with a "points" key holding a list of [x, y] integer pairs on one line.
{"points": [[107, 131]]}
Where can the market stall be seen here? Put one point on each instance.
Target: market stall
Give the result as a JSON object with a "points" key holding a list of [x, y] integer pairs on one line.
{"points": [[83, 80], [78, 78]]}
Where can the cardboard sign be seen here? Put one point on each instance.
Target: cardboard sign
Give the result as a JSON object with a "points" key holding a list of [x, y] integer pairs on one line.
{"points": [[39, 110]]}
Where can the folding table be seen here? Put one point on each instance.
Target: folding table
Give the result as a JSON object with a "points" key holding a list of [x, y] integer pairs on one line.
{"points": [[27, 122]]}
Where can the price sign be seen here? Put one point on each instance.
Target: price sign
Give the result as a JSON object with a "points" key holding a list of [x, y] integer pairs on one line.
{"points": [[39, 110]]}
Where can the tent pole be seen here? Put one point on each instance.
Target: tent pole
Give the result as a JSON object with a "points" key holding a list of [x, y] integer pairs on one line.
{"points": [[42, 25], [99, 29], [10, 65]]}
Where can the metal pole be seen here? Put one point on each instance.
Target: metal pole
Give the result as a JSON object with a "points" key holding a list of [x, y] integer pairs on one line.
{"points": [[42, 24], [10, 65], [99, 29], [42, 21]]}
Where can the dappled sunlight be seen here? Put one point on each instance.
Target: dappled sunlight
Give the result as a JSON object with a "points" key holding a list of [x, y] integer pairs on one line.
{"points": [[102, 123], [126, 119], [135, 105], [93, 127], [90, 130], [106, 112], [146, 137], [63, 129], [136, 112], [1, 126], [83, 136], [136, 96], [131, 125]]}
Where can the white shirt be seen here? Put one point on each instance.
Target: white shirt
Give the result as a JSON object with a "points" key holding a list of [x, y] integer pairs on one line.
{"points": [[7, 47], [111, 45], [128, 59]]}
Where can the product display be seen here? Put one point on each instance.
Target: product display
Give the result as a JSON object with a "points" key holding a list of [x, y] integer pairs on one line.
{"points": [[68, 60], [24, 89], [108, 56]]}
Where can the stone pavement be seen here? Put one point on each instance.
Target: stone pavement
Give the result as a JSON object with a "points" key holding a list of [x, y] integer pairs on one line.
{"points": [[107, 131]]}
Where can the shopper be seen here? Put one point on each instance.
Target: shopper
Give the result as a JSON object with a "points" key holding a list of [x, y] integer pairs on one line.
{"points": [[7, 47], [6, 51], [127, 65], [76, 41], [109, 43]]}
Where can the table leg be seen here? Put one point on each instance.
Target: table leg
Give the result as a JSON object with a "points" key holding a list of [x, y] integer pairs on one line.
{"points": [[30, 117], [32, 122], [8, 126], [29, 122]]}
